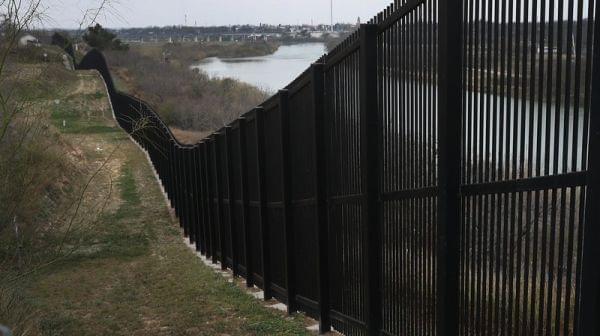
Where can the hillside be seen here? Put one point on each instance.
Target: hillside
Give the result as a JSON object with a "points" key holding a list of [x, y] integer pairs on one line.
{"points": [[127, 272], [186, 99]]}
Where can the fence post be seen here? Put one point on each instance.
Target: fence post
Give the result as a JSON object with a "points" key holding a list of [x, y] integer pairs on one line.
{"points": [[219, 183], [262, 189], [588, 323], [184, 198], [287, 198], [369, 148], [160, 157], [231, 207], [201, 198], [183, 193], [214, 204], [449, 139], [175, 177], [179, 204], [179, 184], [165, 172], [171, 184], [320, 161], [197, 198], [207, 200], [188, 194], [192, 194], [245, 203], [164, 176], [184, 188], [210, 200], [160, 154]]}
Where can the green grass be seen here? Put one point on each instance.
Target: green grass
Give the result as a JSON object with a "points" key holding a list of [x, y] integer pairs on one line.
{"points": [[129, 193], [139, 274], [35, 55], [132, 274], [69, 120], [95, 95]]}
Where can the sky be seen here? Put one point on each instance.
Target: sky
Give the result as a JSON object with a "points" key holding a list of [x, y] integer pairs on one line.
{"points": [[143, 13]]}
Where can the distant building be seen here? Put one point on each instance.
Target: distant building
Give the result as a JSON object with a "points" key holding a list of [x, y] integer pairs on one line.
{"points": [[28, 40]]}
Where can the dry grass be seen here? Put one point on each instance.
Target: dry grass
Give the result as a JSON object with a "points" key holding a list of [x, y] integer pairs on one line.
{"points": [[188, 137], [129, 272], [187, 53], [185, 98]]}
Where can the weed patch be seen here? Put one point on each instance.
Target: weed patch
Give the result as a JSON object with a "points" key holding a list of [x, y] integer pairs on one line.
{"points": [[129, 192], [69, 120]]}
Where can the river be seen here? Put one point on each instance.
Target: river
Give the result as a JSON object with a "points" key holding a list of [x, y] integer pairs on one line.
{"points": [[271, 72], [277, 70]]}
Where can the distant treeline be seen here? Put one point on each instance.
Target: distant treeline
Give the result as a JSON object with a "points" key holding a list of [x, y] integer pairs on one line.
{"points": [[541, 58], [508, 58], [481, 32], [190, 33]]}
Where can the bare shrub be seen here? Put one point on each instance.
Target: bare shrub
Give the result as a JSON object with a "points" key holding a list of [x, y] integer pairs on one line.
{"points": [[45, 203], [187, 99]]}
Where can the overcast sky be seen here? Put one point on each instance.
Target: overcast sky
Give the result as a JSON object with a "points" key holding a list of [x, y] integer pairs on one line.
{"points": [[142, 13]]}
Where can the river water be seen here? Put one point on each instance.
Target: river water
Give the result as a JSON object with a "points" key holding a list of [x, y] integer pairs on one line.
{"points": [[277, 70], [271, 72]]}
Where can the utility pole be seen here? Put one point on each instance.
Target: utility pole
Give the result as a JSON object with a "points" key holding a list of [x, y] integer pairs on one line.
{"points": [[331, 11]]}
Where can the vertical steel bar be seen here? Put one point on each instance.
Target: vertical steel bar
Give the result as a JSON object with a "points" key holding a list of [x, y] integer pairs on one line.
{"points": [[197, 199], [245, 203], [288, 234], [209, 201], [203, 209], [449, 109], [589, 281], [264, 232], [231, 203], [193, 195], [188, 196], [219, 195], [320, 161], [369, 155], [172, 172], [184, 192], [180, 186], [177, 180]]}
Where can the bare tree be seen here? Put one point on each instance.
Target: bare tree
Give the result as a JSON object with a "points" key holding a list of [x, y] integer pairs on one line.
{"points": [[30, 238]]}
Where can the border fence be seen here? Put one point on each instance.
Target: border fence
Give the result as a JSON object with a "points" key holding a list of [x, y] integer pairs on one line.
{"points": [[435, 174]]}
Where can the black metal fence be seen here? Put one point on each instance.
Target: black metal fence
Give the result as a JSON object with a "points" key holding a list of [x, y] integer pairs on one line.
{"points": [[436, 173]]}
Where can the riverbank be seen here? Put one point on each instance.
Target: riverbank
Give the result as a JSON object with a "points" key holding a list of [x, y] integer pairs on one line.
{"points": [[187, 53], [185, 99]]}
